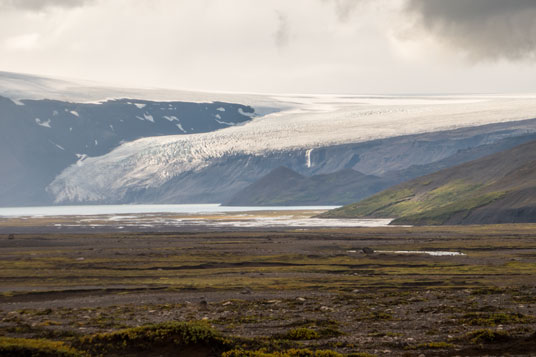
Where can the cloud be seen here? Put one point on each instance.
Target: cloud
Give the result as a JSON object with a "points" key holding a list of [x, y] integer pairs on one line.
{"points": [[281, 35], [40, 5], [344, 8], [23, 42], [481, 29]]}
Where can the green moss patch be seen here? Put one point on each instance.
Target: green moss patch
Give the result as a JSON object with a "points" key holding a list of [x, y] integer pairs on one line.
{"points": [[154, 338], [492, 319], [301, 333], [15, 347], [487, 336]]}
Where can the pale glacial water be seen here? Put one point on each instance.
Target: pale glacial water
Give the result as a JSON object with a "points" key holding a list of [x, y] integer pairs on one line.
{"points": [[164, 215], [92, 210]]}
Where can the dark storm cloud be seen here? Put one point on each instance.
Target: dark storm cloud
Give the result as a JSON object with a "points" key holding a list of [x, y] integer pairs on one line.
{"points": [[482, 29], [39, 5]]}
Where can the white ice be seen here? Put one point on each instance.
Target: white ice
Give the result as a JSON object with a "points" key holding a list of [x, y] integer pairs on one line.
{"points": [[312, 122]]}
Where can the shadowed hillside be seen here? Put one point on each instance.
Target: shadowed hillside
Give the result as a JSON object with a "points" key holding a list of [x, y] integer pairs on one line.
{"points": [[498, 188], [282, 186]]}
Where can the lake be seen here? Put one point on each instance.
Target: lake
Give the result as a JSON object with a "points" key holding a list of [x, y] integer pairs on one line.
{"points": [[159, 216], [92, 210]]}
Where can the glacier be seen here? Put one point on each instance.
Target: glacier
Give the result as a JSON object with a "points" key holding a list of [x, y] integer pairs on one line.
{"points": [[294, 122]]}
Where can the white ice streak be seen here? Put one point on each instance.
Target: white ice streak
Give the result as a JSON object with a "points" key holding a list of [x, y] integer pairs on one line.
{"points": [[57, 145], [311, 122]]}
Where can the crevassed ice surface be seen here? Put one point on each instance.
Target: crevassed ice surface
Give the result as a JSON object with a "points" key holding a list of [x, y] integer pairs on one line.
{"points": [[307, 123]]}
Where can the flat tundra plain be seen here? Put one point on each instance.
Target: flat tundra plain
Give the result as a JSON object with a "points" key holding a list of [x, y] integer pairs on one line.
{"points": [[273, 292]]}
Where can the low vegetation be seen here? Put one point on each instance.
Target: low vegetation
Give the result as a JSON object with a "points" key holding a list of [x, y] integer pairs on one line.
{"points": [[494, 189], [15, 347], [155, 338], [302, 333], [493, 319], [277, 293], [488, 336]]}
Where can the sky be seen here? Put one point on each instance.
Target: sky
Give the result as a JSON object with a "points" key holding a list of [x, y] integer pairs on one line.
{"points": [[277, 46]]}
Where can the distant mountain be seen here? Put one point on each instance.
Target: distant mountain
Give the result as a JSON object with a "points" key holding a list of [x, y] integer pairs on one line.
{"points": [[66, 142], [499, 188], [41, 138], [282, 186]]}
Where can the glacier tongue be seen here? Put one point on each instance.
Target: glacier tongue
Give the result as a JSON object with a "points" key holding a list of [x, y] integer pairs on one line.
{"points": [[308, 123]]}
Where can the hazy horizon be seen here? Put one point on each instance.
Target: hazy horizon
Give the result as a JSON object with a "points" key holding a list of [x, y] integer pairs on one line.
{"points": [[345, 47]]}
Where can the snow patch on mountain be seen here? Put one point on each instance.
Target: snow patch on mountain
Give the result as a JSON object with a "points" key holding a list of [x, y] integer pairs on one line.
{"points": [[40, 122], [57, 145], [171, 118], [148, 117], [224, 122], [179, 125]]}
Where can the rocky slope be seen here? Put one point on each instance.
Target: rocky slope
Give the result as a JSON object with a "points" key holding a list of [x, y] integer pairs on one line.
{"points": [[40, 138], [283, 186], [498, 188]]}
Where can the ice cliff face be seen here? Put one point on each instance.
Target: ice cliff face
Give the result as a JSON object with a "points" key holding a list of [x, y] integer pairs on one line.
{"points": [[309, 122]]}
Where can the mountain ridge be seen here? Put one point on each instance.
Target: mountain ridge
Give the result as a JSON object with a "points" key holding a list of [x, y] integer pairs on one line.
{"points": [[162, 156], [41, 138], [498, 188]]}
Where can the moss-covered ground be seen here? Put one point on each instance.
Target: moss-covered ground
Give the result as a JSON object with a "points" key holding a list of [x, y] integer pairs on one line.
{"points": [[270, 293]]}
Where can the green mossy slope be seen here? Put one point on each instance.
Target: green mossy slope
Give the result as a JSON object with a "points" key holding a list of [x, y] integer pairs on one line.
{"points": [[499, 188]]}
